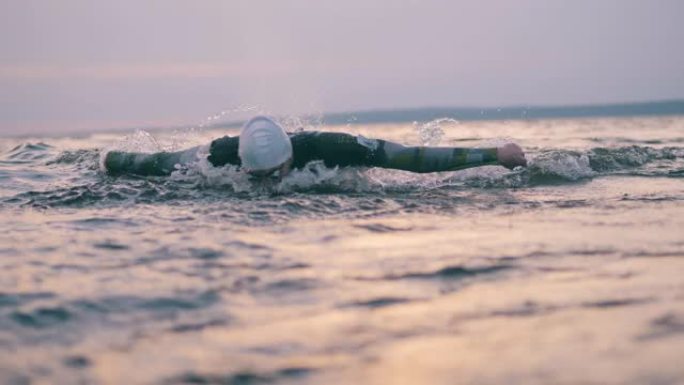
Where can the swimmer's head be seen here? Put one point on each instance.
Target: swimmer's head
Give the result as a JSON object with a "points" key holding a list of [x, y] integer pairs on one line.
{"points": [[264, 147]]}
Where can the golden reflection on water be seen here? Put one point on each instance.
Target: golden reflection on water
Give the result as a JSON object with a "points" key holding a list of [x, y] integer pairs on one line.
{"points": [[581, 300]]}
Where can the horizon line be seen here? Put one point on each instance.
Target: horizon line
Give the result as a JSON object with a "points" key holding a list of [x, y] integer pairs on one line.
{"points": [[663, 107]]}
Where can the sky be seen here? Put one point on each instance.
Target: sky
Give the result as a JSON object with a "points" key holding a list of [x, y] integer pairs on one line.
{"points": [[74, 65]]}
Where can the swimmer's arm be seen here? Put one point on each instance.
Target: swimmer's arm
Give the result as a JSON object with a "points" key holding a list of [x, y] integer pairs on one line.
{"points": [[157, 164], [432, 159], [222, 151], [342, 150]]}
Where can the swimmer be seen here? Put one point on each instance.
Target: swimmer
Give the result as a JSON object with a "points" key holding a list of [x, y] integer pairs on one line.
{"points": [[265, 149]]}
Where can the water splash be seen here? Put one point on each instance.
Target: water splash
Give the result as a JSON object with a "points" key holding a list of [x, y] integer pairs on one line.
{"points": [[313, 177], [291, 123], [561, 165], [431, 133], [139, 141], [607, 159], [299, 123], [234, 113]]}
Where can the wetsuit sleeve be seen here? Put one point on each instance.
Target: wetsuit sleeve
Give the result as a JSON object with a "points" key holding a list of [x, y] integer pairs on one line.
{"points": [[224, 151], [432, 159], [334, 149], [161, 163], [342, 150]]}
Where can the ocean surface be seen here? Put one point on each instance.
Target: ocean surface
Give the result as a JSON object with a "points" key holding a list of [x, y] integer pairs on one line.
{"points": [[570, 271]]}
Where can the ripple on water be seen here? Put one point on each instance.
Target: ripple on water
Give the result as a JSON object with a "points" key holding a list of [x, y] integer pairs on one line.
{"points": [[379, 302], [450, 272], [80, 313], [110, 245], [42, 317], [666, 325], [382, 228], [243, 377], [18, 299], [26, 153]]}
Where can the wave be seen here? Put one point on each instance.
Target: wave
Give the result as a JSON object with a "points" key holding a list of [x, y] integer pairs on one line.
{"points": [[26, 153], [569, 166]]}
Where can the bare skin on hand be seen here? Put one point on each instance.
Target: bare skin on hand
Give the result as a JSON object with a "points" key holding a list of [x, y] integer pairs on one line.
{"points": [[511, 156]]}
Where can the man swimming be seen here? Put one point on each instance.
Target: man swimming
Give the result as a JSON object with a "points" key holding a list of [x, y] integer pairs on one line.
{"points": [[264, 148]]}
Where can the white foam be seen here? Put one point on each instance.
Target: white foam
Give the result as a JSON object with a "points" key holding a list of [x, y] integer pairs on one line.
{"points": [[567, 165]]}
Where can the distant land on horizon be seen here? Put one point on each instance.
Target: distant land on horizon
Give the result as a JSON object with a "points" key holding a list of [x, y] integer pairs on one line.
{"points": [[652, 108], [426, 114]]}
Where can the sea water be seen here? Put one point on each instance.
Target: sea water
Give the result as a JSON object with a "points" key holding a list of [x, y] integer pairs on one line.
{"points": [[568, 271]]}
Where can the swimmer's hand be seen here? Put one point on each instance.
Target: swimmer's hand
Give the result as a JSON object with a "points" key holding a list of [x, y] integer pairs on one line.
{"points": [[510, 155]]}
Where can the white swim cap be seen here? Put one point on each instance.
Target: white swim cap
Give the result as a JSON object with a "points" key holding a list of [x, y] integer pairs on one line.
{"points": [[263, 145]]}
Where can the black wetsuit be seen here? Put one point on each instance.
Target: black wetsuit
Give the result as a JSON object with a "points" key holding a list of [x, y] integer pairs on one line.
{"points": [[334, 149]]}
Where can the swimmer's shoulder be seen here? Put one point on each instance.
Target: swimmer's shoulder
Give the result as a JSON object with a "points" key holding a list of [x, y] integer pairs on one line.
{"points": [[224, 150]]}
